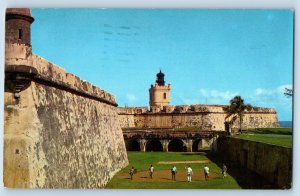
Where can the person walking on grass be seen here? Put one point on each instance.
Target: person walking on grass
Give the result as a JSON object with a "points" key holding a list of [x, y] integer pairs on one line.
{"points": [[224, 170], [206, 172], [131, 172], [189, 173], [173, 172], [151, 171]]}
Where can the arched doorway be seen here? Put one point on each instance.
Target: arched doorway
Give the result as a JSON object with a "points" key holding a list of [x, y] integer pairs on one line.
{"points": [[197, 145], [132, 145], [227, 127], [154, 145], [176, 145]]}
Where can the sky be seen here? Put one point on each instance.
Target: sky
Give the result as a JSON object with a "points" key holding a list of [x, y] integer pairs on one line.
{"points": [[208, 56]]}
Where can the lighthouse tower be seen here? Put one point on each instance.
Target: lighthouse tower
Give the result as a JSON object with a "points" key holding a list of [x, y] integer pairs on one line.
{"points": [[159, 93]]}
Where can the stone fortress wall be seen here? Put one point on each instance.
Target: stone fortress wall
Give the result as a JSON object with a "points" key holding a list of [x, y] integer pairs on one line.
{"points": [[19, 54], [59, 131], [272, 162], [205, 117]]}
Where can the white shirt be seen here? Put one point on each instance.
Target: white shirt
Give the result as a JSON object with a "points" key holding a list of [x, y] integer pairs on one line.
{"points": [[189, 170], [174, 169], [151, 169], [206, 169]]}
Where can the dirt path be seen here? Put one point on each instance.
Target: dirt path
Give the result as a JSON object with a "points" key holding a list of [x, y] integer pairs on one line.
{"points": [[176, 162], [165, 176]]}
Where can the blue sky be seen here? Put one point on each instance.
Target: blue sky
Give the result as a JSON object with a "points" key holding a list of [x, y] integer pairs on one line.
{"points": [[208, 56]]}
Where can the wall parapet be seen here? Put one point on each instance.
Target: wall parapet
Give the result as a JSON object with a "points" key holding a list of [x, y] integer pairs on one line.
{"points": [[188, 109], [19, 56]]}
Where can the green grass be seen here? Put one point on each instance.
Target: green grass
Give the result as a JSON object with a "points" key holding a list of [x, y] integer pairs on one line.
{"points": [[279, 131], [279, 140], [228, 183], [142, 160]]}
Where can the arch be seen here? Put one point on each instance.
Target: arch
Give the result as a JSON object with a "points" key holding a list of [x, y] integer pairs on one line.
{"points": [[154, 145], [227, 126], [197, 145], [132, 145], [176, 145]]}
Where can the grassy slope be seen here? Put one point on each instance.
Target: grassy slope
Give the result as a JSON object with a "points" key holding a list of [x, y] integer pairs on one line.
{"points": [[279, 140], [142, 162], [275, 136], [279, 131]]}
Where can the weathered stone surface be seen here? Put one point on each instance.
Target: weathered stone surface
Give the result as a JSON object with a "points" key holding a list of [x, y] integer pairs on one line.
{"points": [[206, 117], [55, 139], [20, 54], [272, 162], [17, 25], [59, 131]]}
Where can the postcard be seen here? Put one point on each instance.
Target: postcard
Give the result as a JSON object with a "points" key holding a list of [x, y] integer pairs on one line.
{"points": [[148, 98]]}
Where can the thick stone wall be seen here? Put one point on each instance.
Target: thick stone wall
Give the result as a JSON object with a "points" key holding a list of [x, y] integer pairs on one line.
{"points": [[19, 54], [206, 117], [60, 131], [274, 163]]}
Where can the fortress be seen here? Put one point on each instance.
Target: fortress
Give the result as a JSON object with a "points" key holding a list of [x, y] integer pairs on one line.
{"points": [[183, 127], [59, 131], [63, 132]]}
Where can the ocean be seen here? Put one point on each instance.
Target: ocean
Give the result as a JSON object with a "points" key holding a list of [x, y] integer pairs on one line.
{"points": [[286, 124]]}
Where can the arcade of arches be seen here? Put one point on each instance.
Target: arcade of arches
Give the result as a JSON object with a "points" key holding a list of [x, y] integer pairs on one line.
{"points": [[168, 145]]}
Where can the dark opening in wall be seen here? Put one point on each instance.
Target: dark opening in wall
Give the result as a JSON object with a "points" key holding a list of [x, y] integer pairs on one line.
{"points": [[176, 145], [20, 33], [17, 151], [132, 145], [154, 145], [165, 95], [197, 145]]}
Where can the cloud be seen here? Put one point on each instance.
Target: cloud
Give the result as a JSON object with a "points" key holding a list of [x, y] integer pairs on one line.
{"points": [[281, 89], [218, 96], [131, 97], [272, 92], [274, 98], [271, 97]]}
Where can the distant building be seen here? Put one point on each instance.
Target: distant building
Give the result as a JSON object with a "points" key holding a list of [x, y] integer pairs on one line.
{"points": [[183, 127]]}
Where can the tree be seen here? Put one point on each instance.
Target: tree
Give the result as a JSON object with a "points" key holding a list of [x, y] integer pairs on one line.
{"points": [[288, 92], [237, 107]]}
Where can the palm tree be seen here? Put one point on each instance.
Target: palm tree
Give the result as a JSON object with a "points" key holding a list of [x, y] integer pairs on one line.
{"points": [[288, 92], [237, 107]]}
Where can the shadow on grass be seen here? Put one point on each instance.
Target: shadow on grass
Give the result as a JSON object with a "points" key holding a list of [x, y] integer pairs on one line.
{"points": [[243, 176]]}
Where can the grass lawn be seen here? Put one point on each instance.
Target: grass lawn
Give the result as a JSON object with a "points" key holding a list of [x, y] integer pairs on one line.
{"points": [[279, 131], [275, 136], [162, 174], [279, 140]]}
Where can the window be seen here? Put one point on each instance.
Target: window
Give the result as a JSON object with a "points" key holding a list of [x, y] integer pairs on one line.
{"points": [[165, 95], [20, 33]]}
